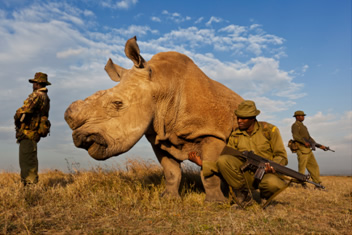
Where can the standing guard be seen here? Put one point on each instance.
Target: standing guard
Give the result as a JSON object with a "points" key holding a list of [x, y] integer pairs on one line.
{"points": [[31, 121]]}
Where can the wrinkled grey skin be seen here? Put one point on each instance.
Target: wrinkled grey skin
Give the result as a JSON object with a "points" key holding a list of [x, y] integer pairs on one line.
{"points": [[170, 101]]}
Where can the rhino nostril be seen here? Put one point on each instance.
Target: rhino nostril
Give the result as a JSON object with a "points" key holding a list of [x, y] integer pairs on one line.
{"points": [[85, 142], [74, 116]]}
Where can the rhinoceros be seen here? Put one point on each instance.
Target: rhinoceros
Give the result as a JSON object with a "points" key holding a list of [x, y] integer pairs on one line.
{"points": [[170, 101]]}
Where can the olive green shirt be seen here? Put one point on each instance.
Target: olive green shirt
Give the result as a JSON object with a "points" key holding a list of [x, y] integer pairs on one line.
{"points": [[300, 132], [268, 145]]}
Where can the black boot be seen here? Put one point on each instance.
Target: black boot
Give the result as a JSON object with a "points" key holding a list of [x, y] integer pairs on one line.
{"points": [[243, 197]]}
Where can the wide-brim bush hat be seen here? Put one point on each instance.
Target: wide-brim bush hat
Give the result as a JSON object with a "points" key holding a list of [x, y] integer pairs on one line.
{"points": [[247, 109], [299, 113], [40, 78]]}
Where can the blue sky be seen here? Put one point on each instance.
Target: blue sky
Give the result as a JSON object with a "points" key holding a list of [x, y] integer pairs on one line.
{"points": [[284, 55]]}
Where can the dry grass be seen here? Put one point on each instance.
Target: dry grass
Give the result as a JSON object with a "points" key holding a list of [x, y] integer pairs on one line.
{"points": [[121, 201]]}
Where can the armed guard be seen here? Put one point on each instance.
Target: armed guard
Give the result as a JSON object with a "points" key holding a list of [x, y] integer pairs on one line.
{"points": [[263, 139], [306, 158], [31, 121]]}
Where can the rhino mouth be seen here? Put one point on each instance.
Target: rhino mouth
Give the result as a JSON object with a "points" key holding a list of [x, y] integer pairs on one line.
{"points": [[95, 144]]}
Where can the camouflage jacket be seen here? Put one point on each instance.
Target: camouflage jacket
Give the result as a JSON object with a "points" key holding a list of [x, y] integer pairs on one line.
{"points": [[34, 107]]}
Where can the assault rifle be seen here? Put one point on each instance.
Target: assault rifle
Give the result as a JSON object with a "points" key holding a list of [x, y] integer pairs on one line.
{"points": [[256, 164], [313, 145]]}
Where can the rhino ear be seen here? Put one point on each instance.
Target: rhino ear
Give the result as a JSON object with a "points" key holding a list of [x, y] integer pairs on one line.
{"points": [[132, 52], [114, 71]]}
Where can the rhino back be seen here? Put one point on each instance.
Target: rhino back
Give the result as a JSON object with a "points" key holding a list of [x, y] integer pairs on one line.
{"points": [[189, 103]]}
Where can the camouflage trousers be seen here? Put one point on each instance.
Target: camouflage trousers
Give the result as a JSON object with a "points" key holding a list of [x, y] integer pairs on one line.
{"points": [[28, 161], [307, 160], [230, 168]]}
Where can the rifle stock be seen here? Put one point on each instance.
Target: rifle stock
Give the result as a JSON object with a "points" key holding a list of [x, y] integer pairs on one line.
{"points": [[256, 164]]}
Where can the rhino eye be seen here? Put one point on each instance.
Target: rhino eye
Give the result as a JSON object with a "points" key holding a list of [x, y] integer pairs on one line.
{"points": [[117, 104]]}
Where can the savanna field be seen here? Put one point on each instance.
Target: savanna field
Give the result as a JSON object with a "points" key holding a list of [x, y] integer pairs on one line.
{"points": [[126, 200]]}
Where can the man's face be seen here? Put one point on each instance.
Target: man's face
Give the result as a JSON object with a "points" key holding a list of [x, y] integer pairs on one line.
{"points": [[36, 86], [245, 123], [300, 118]]}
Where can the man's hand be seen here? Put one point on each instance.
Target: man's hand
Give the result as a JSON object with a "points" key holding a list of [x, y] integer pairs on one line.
{"points": [[268, 168], [193, 157], [307, 144]]}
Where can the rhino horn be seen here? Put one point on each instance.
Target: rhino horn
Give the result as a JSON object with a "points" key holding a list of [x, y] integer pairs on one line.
{"points": [[114, 71], [132, 52]]}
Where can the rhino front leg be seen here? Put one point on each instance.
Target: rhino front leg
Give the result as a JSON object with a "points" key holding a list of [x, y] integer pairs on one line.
{"points": [[172, 172]]}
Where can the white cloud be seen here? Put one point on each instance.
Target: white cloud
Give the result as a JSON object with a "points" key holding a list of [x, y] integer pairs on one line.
{"points": [[155, 19], [133, 30], [2, 14], [7, 129], [269, 106], [234, 30], [88, 13], [69, 52], [212, 20], [259, 42], [348, 138], [257, 77], [175, 17], [124, 4], [254, 26], [305, 68], [235, 39], [199, 20]]}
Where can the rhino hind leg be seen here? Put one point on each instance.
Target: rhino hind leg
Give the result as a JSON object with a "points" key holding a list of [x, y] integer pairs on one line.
{"points": [[172, 172]]}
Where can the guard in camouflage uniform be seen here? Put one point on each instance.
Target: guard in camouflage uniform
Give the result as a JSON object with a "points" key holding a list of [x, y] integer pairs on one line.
{"points": [[30, 121], [305, 155]]}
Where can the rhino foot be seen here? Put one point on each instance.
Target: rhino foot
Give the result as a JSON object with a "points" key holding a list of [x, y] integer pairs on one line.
{"points": [[216, 198], [170, 194]]}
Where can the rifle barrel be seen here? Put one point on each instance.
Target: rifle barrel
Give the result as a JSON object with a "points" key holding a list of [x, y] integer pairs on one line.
{"points": [[317, 185]]}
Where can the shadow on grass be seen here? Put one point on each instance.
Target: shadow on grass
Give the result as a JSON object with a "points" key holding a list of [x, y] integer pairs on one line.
{"points": [[148, 174], [145, 173], [59, 181]]}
